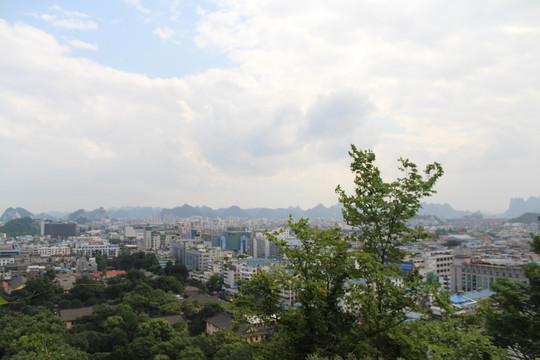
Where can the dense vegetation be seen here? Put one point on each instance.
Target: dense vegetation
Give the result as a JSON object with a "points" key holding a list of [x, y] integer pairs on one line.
{"points": [[19, 227], [126, 322]]}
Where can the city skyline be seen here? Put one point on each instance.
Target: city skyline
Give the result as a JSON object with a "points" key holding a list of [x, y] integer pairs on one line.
{"points": [[256, 104]]}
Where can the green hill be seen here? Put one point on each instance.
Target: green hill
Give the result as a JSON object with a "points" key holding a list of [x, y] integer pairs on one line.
{"points": [[527, 218], [18, 227]]}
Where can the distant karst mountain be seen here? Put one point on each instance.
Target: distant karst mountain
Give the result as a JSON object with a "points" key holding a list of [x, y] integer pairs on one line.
{"points": [[133, 212], [233, 211], [444, 211], [184, 211], [15, 213], [98, 215], [527, 218], [45, 216], [519, 206], [319, 211], [80, 217]]}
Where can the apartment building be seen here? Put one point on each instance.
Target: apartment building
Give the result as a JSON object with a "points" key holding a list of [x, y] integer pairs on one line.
{"points": [[54, 250], [471, 275]]}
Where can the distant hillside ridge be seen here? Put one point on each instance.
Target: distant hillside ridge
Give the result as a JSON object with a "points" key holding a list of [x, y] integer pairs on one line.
{"points": [[319, 211], [444, 211], [527, 218], [15, 213], [519, 206], [20, 227], [133, 212]]}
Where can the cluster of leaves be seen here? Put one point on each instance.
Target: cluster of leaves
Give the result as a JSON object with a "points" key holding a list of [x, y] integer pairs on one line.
{"points": [[37, 336], [39, 291], [137, 260], [214, 284]]}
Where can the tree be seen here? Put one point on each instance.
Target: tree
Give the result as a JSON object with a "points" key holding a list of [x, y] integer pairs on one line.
{"points": [[215, 282], [353, 296], [349, 298], [166, 283], [41, 336], [512, 314], [101, 261], [179, 271], [86, 288], [38, 291]]}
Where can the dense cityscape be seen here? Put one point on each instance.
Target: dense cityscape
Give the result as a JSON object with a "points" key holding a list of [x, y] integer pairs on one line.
{"points": [[211, 258]]}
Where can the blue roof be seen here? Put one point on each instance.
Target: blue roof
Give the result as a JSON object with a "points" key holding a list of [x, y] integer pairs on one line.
{"points": [[478, 294], [458, 299]]}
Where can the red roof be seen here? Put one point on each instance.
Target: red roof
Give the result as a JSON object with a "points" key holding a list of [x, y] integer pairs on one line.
{"points": [[111, 273]]}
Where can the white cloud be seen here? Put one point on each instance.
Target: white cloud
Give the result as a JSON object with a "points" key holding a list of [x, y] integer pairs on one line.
{"points": [[67, 13], [137, 4], [93, 150], [82, 44], [175, 6], [71, 20], [166, 34], [450, 82]]}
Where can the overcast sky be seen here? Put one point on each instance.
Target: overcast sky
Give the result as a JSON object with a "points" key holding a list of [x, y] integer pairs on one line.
{"points": [[255, 103]]}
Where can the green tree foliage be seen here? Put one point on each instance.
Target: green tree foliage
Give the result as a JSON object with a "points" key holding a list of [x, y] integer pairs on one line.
{"points": [[197, 313], [455, 337], [18, 227], [353, 296], [512, 315], [452, 243], [40, 336], [156, 328], [101, 261], [535, 244], [179, 271], [137, 260], [166, 283], [38, 291], [215, 282], [145, 299], [88, 290]]}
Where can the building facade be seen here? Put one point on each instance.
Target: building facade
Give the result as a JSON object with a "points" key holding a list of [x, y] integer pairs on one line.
{"points": [[476, 275]]}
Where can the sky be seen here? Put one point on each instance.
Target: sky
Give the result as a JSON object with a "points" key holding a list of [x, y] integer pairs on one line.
{"points": [[256, 103]]}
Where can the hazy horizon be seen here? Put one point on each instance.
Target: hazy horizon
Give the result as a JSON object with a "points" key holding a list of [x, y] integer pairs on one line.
{"points": [[69, 211]]}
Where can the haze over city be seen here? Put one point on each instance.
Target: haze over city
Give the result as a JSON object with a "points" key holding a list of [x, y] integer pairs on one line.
{"points": [[112, 103]]}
